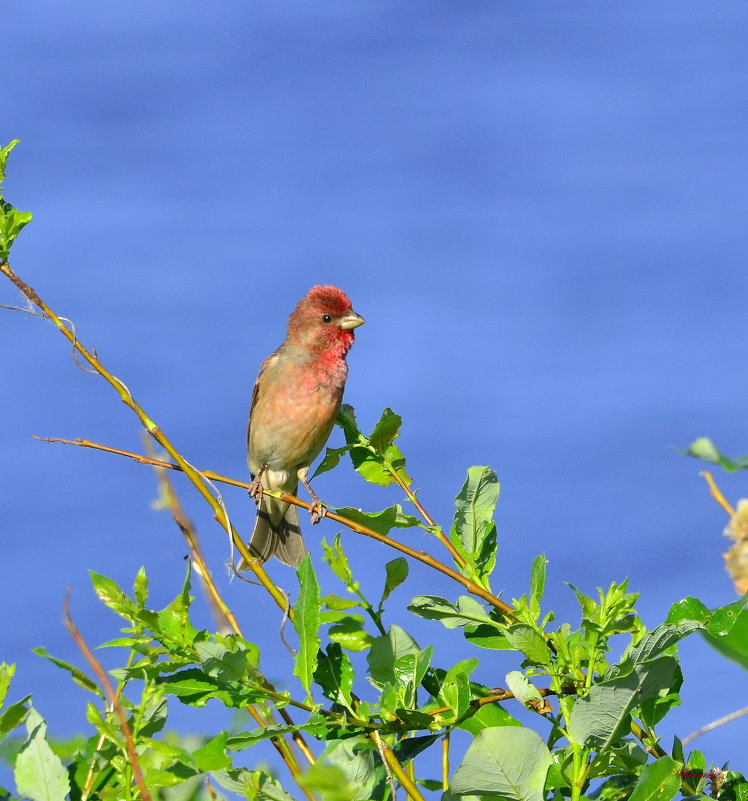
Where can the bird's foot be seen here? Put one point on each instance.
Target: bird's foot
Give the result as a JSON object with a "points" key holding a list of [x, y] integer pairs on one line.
{"points": [[318, 511], [256, 491]]}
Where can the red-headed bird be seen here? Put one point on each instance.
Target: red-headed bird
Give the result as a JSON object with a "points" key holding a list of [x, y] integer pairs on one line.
{"points": [[295, 401]]}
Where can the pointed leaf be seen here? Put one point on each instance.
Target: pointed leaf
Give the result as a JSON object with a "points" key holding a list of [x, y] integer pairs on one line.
{"points": [[385, 650], [465, 612], [6, 674], [703, 448], [385, 431], [397, 572], [381, 522], [338, 561], [659, 781], [330, 460], [526, 639], [79, 677], [39, 773], [537, 584], [473, 531], [307, 622], [334, 674]]}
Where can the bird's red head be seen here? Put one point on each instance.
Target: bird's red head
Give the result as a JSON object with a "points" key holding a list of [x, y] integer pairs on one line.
{"points": [[323, 322]]}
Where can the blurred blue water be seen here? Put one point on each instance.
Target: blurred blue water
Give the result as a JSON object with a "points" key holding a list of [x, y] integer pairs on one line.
{"points": [[539, 209]]}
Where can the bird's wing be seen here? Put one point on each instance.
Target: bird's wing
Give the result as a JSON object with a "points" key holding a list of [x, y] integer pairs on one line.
{"points": [[256, 391]]}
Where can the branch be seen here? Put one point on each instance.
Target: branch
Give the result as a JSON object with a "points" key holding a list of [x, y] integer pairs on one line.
{"points": [[738, 713], [395, 766], [421, 556], [437, 530]]}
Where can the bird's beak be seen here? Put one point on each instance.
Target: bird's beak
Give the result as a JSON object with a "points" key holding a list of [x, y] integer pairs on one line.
{"points": [[350, 321]]}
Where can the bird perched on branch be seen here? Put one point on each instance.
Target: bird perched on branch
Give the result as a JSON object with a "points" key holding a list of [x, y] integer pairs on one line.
{"points": [[295, 401]]}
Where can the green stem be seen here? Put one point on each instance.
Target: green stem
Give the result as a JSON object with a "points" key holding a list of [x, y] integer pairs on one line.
{"points": [[375, 615]]}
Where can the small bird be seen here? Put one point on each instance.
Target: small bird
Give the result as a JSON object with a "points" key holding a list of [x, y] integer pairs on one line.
{"points": [[294, 404]]}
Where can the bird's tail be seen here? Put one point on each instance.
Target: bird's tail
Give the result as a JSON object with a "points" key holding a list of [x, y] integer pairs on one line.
{"points": [[276, 533]]}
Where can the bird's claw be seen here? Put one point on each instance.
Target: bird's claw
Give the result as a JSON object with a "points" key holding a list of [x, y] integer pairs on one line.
{"points": [[318, 511], [255, 491]]}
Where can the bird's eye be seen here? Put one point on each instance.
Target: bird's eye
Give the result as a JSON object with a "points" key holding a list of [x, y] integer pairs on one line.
{"points": [[326, 318]]}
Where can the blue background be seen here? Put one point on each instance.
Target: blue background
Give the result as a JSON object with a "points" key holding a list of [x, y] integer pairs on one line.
{"points": [[540, 210]]}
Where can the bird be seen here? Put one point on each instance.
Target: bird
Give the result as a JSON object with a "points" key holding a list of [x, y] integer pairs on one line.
{"points": [[295, 401]]}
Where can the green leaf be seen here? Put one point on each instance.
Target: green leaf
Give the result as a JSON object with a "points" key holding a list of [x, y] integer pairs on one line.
{"points": [[226, 665], [526, 639], [153, 719], [39, 773], [602, 716], [337, 602], [725, 617], [11, 219], [338, 561], [377, 460], [733, 645], [409, 670], [349, 632], [13, 715], [491, 637], [330, 461], [473, 531], [717, 622], [104, 727], [334, 674], [381, 522], [79, 677], [537, 584], [524, 691], [653, 710], [651, 645], [191, 686], [488, 716], [346, 419], [688, 609], [506, 761], [113, 596], [659, 781], [6, 674], [397, 572], [465, 612], [173, 622], [307, 622], [385, 431], [351, 775], [703, 448], [4, 153], [212, 755], [385, 650], [140, 587]]}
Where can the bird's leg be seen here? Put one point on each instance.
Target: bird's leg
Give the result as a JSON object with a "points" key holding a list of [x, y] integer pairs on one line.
{"points": [[318, 509], [255, 488]]}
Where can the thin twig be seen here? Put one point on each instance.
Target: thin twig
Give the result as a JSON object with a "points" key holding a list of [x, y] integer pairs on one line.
{"points": [[376, 737], [126, 396], [717, 493], [421, 556], [427, 517], [738, 713], [113, 699], [394, 764], [445, 761]]}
